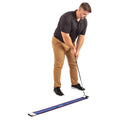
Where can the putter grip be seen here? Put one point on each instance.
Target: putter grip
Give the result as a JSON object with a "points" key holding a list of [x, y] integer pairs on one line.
{"points": [[75, 59]]}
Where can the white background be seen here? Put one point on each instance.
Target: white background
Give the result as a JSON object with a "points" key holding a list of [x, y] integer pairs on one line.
{"points": [[26, 61]]}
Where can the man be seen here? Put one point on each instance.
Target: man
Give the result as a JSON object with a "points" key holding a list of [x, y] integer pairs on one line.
{"points": [[71, 25]]}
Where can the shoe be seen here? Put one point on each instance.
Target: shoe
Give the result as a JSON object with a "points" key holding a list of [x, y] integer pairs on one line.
{"points": [[58, 91], [78, 86]]}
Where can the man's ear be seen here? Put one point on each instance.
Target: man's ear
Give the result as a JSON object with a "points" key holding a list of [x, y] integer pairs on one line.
{"points": [[79, 9]]}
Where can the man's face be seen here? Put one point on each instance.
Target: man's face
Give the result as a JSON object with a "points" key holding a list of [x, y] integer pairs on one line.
{"points": [[83, 14]]}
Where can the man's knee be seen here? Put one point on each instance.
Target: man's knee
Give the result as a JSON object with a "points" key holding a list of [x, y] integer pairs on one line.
{"points": [[72, 65], [58, 65]]}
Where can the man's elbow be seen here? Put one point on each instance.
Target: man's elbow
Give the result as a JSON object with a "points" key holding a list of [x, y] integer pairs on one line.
{"points": [[65, 36]]}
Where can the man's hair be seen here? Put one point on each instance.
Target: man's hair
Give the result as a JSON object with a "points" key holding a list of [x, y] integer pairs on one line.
{"points": [[86, 7]]}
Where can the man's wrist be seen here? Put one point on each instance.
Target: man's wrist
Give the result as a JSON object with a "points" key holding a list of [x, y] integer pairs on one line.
{"points": [[77, 51], [72, 47]]}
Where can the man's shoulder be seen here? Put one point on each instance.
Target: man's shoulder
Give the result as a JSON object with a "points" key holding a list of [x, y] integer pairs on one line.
{"points": [[68, 14]]}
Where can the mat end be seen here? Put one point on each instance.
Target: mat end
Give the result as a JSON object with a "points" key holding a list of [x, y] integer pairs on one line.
{"points": [[31, 114]]}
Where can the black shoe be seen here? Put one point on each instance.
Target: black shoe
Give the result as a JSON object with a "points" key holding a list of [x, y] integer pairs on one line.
{"points": [[58, 91], [78, 86]]}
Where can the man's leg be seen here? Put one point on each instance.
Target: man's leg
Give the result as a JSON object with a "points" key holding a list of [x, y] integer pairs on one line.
{"points": [[59, 55], [73, 71], [73, 68]]}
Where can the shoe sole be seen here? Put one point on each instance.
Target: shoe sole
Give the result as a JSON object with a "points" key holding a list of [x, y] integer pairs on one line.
{"points": [[76, 88]]}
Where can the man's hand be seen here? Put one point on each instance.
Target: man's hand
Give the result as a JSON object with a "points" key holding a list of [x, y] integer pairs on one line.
{"points": [[73, 51], [77, 55]]}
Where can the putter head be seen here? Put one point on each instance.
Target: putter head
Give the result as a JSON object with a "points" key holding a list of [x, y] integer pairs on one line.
{"points": [[86, 97]]}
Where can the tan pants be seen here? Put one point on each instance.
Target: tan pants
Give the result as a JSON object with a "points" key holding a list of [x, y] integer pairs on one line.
{"points": [[60, 49]]}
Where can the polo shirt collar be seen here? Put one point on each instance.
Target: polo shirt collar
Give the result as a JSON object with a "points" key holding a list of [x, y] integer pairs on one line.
{"points": [[74, 13]]}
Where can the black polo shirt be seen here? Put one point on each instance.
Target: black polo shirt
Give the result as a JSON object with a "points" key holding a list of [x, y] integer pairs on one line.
{"points": [[69, 24]]}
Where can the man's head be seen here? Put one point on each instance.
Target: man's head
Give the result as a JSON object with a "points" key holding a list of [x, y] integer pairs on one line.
{"points": [[84, 10]]}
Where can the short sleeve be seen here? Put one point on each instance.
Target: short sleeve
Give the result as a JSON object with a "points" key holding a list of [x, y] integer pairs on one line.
{"points": [[84, 28], [65, 24]]}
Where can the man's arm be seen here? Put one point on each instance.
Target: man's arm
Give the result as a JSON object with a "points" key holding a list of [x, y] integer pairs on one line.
{"points": [[79, 44], [67, 39]]}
